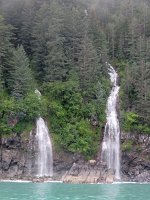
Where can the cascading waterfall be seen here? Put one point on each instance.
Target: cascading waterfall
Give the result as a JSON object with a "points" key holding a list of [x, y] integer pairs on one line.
{"points": [[111, 141], [45, 155]]}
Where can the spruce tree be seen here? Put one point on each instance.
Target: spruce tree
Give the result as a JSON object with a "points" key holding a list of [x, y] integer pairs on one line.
{"points": [[5, 46], [48, 56], [87, 64], [21, 78]]}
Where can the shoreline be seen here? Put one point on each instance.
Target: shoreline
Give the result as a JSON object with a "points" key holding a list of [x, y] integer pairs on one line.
{"points": [[29, 181]]}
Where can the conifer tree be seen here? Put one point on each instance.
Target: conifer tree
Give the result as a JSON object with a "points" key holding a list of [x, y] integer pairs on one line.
{"points": [[5, 46], [20, 81], [48, 58], [87, 64]]}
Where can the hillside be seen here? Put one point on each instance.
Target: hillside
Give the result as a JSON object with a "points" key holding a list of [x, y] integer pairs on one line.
{"points": [[61, 47]]}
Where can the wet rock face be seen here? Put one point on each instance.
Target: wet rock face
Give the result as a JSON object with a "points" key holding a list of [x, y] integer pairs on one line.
{"points": [[17, 161], [15, 158], [143, 177], [135, 164]]}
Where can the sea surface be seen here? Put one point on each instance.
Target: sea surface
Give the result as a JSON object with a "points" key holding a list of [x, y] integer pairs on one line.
{"points": [[55, 191]]}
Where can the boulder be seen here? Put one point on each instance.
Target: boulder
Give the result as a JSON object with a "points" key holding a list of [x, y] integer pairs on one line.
{"points": [[92, 162], [110, 176]]}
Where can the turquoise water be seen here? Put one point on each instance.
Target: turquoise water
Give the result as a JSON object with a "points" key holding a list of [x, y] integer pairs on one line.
{"points": [[55, 191]]}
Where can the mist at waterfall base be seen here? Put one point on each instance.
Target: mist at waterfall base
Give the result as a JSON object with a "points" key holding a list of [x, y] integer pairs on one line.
{"points": [[111, 142], [58, 191]]}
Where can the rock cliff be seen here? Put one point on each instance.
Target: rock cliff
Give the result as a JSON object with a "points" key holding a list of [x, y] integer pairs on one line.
{"points": [[135, 157], [18, 155], [18, 159], [15, 157]]}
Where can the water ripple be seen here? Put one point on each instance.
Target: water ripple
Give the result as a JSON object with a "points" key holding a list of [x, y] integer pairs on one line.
{"points": [[57, 191]]}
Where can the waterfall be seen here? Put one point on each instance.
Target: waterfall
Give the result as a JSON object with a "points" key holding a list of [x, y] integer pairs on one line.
{"points": [[111, 141], [44, 148], [45, 157]]}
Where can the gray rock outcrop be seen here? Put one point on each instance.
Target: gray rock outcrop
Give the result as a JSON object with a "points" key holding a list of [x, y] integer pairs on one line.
{"points": [[135, 164], [87, 173]]}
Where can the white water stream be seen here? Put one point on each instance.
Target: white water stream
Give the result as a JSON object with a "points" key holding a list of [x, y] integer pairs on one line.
{"points": [[111, 141], [45, 155]]}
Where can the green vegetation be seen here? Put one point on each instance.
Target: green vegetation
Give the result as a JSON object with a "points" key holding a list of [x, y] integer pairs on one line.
{"points": [[70, 117], [127, 145], [20, 80], [132, 122], [57, 48], [18, 116], [61, 48]]}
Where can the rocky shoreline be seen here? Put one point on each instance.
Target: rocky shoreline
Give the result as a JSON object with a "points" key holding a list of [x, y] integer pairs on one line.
{"points": [[17, 157]]}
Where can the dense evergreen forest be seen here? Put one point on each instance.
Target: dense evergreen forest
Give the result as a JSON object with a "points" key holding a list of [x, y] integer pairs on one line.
{"points": [[60, 47]]}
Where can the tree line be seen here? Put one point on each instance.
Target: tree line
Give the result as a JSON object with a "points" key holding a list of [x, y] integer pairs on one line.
{"points": [[60, 47]]}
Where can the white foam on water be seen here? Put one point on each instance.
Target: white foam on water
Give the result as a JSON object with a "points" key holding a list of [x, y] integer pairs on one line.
{"points": [[15, 181]]}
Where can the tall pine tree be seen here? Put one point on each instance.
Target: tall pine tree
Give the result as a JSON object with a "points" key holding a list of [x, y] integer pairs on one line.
{"points": [[20, 82]]}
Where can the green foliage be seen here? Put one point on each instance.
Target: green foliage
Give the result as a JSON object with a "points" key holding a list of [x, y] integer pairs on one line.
{"points": [[19, 115], [31, 107], [129, 120], [20, 82], [134, 97], [23, 126], [67, 48], [5, 129], [69, 118], [6, 107], [127, 145], [66, 53], [49, 60], [132, 122], [5, 46]]}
